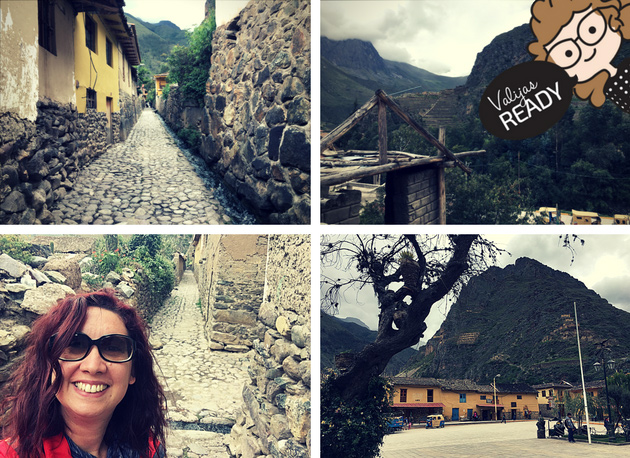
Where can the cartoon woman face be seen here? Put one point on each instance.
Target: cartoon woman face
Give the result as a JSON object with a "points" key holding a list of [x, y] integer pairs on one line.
{"points": [[585, 46]]}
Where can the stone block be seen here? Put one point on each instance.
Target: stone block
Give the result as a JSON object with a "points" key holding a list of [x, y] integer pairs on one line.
{"points": [[235, 317], [40, 300]]}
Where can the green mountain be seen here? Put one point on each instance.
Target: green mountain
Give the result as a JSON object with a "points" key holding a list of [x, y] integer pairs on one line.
{"points": [[156, 41], [352, 70], [340, 335], [519, 322]]}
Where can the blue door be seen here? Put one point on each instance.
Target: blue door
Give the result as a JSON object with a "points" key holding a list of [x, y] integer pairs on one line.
{"points": [[455, 416], [470, 414]]}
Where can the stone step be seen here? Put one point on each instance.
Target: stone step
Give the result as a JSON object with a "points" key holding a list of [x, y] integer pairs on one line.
{"points": [[192, 444]]}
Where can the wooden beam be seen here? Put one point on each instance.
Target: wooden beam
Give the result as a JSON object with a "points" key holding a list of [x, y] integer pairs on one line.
{"points": [[360, 172], [344, 177], [418, 128], [348, 124], [82, 5]]}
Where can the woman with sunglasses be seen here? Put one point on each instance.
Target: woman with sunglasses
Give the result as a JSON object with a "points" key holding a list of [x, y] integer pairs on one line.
{"points": [[85, 387]]}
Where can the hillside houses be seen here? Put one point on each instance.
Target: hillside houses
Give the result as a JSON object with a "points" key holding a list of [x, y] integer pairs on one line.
{"points": [[68, 89]]}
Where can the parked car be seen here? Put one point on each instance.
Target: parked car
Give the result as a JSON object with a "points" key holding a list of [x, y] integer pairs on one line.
{"points": [[395, 424], [435, 421]]}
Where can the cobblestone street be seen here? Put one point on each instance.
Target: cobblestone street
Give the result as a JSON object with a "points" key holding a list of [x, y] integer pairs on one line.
{"points": [[203, 388], [145, 180]]}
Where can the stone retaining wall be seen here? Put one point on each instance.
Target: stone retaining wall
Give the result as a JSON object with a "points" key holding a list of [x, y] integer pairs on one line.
{"points": [[230, 273], [256, 131], [39, 161], [130, 110], [276, 413], [178, 113]]}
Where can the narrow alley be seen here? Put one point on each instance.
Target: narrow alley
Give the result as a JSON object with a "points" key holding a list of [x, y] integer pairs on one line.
{"points": [[147, 179], [203, 388]]}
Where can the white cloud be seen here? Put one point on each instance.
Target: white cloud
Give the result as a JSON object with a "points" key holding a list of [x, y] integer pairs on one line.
{"points": [[444, 36]]}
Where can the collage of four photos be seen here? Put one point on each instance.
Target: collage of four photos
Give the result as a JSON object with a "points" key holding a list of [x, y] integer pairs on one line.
{"points": [[182, 182]]}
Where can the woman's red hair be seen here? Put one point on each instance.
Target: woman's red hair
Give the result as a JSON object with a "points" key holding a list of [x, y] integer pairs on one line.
{"points": [[31, 409]]}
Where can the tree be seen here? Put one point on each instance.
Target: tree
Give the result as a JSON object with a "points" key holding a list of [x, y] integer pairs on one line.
{"points": [[145, 77], [432, 267], [575, 405], [189, 66], [619, 394]]}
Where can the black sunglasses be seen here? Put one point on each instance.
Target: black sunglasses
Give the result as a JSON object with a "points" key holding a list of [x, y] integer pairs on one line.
{"points": [[114, 348]]}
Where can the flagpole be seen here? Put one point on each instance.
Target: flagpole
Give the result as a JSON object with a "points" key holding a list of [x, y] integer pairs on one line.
{"points": [[577, 331]]}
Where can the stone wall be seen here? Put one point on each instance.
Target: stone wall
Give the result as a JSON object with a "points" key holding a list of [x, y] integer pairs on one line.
{"points": [[178, 113], [256, 131], [412, 196], [341, 207], [131, 107], [179, 260], [230, 273], [276, 413], [39, 161]]}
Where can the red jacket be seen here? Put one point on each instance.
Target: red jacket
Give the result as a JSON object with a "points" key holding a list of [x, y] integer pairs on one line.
{"points": [[54, 447]]}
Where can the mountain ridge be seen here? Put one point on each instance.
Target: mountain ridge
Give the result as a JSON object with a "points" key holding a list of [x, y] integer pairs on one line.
{"points": [[518, 321], [156, 41], [352, 70]]}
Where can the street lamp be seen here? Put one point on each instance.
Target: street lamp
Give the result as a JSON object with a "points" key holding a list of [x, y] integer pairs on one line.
{"points": [[611, 365], [494, 385]]}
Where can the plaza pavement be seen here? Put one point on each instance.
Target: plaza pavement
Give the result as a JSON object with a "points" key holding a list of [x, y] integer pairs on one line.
{"points": [[514, 439]]}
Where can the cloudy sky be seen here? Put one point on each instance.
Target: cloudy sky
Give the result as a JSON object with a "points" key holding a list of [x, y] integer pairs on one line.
{"points": [[602, 264], [441, 36], [185, 14]]}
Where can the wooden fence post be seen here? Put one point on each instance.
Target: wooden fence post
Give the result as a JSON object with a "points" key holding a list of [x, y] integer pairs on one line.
{"points": [[382, 137], [441, 178]]}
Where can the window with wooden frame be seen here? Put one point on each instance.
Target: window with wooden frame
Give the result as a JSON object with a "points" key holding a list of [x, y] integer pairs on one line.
{"points": [[109, 52], [90, 98], [90, 33], [403, 395], [429, 395], [46, 20]]}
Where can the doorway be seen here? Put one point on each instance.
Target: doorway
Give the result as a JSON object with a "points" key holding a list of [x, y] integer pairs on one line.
{"points": [[109, 102]]}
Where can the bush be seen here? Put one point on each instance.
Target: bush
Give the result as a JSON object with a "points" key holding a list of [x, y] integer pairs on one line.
{"points": [[166, 91], [159, 275], [354, 429], [15, 247], [190, 65], [191, 137], [152, 242]]}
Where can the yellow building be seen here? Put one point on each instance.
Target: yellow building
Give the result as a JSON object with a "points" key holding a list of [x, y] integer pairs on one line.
{"points": [[551, 396], [104, 46], [460, 399], [36, 55], [160, 83]]}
